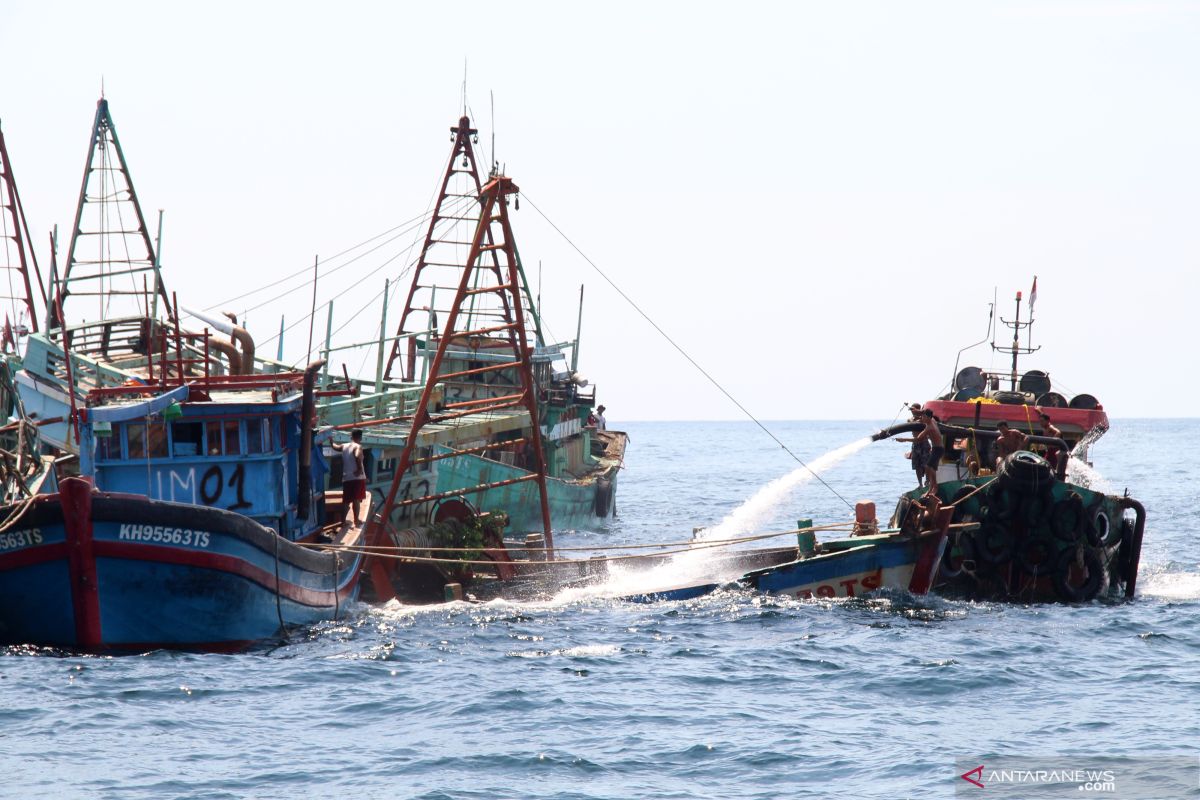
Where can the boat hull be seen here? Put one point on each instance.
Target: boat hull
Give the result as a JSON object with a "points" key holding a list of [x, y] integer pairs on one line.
{"points": [[573, 504], [1036, 540], [856, 567], [94, 571]]}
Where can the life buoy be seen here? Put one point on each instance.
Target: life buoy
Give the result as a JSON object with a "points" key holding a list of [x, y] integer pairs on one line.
{"points": [[1066, 518], [1066, 573], [993, 543]]}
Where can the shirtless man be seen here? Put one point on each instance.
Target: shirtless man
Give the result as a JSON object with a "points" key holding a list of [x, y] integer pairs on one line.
{"points": [[1050, 429], [932, 435], [1008, 442]]}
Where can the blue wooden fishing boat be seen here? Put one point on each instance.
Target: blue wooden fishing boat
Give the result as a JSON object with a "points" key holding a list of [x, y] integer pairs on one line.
{"points": [[857, 565], [196, 522]]}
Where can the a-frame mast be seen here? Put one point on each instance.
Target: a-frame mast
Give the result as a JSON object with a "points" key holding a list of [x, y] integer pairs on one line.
{"points": [[16, 229], [124, 249], [439, 265], [492, 242]]}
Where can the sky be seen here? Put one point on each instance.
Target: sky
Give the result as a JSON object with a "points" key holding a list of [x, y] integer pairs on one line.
{"points": [[816, 202]]}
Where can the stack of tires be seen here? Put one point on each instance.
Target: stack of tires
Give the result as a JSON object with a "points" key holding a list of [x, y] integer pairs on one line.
{"points": [[1045, 529]]}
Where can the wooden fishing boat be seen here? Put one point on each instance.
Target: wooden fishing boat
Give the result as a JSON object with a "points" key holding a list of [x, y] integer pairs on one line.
{"points": [[856, 566], [198, 522], [481, 453], [1026, 533], [981, 400]]}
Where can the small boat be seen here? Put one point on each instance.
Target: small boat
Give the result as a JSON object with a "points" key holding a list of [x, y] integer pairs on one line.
{"points": [[858, 565], [1025, 533], [197, 522], [980, 399]]}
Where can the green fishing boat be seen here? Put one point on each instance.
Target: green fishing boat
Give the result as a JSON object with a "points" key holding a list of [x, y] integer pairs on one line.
{"points": [[479, 447]]}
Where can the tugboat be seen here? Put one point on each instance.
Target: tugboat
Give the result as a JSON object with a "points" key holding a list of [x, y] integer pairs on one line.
{"points": [[1027, 401], [1025, 533]]}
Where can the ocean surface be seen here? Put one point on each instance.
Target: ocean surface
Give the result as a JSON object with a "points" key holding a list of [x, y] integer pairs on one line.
{"points": [[734, 695]]}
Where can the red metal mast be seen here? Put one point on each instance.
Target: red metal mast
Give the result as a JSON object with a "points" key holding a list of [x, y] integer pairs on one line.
{"points": [[18, 232], [438, 264], [500, 278]]}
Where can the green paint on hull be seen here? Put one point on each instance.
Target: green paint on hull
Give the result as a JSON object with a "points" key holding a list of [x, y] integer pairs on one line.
{"points": [[572, 504]]}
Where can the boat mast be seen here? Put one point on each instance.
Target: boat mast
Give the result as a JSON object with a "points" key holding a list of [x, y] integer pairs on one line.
{"points": [[493, 242], [18, 232], [439, 266], [1015, 348], [117, 227]]}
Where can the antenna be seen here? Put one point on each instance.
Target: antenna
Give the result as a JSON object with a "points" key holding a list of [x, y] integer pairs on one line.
{"points": [[464, 86], [492, 95]]}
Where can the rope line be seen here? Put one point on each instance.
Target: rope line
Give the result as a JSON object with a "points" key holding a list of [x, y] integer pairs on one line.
{"points": [[684, 353]]}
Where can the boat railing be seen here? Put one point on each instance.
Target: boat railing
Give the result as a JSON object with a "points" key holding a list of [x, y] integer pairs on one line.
{"points": [[365, 408]]}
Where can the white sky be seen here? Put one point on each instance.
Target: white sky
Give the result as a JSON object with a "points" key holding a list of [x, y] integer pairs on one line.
{"points": [[816, 200]]}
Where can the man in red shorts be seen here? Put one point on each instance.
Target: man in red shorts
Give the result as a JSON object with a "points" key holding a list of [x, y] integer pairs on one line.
{"points": [[354, 476]]}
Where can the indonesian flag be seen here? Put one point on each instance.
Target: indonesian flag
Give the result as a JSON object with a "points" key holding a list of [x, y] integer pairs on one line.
{"points": [[1033, 294]]}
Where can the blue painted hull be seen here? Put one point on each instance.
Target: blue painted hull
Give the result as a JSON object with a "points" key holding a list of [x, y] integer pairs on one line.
{"points": [[140, 574], [855, 568]]}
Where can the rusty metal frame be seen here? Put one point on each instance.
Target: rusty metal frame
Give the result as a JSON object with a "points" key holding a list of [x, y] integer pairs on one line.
{"points": [[494, 209]]}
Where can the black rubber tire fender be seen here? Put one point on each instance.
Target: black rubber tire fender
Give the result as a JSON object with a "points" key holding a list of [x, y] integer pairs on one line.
{"points": [[1100, 530], [993, 543], [968, 511], [603, 497], [1027, 470], [1092, 585], [1037, 554], [1035, 508], [1066, 518], [958, 551]]}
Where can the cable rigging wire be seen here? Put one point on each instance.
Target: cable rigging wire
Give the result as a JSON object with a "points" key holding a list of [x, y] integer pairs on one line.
{"points": [[683, 352]]}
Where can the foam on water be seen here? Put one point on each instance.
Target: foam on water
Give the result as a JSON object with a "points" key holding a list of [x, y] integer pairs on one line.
{"points": [[1170, 585]]}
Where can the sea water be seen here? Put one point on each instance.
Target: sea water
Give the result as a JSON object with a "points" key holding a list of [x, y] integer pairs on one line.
{"points": [[584, 695]]}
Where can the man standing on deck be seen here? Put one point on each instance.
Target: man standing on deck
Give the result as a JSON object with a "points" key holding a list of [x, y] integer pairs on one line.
{"points": [[933, 435], [1008, 442], [354, 476], [920, 450], [1053, 431], [601, 422]]}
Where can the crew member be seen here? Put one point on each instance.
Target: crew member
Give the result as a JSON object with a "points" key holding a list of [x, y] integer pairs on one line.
{"points": [[354, 475]]}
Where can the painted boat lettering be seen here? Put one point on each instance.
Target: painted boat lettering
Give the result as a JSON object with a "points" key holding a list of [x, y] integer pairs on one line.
{"points": [[213, 485], [13, 540], [865, 583], [163, 534]]}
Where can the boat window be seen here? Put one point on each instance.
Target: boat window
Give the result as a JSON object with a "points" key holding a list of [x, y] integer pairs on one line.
{"points": [[186, 438], [136, 434], [158, 440], [108, 447], [257, 436], [212, 437], [233, 443]]}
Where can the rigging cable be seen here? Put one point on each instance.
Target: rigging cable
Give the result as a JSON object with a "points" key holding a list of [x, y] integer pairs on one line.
{"points": [[684, 353]]}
